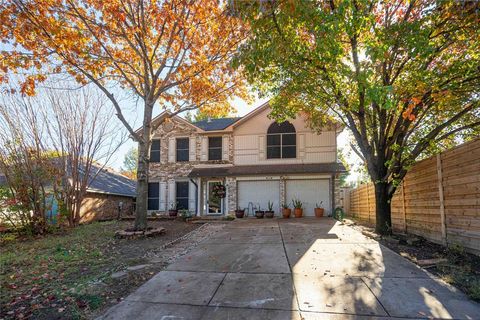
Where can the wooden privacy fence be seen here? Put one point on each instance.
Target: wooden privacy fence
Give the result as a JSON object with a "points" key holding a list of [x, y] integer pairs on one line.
{"points": [[439, 199]]}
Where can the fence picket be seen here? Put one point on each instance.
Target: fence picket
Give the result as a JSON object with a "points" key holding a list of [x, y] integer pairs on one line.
{"points": [[439, 198]]}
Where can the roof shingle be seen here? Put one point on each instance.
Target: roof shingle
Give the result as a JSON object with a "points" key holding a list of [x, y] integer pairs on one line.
{"points": [[332, 167], [110, 182], [215, 124]]}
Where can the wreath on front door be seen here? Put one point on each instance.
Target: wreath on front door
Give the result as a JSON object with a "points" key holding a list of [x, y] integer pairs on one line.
{"points": [[219, 190]]}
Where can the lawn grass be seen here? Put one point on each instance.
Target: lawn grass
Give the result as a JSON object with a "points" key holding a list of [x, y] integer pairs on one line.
{"points": [[50, 272], [67, 275]]}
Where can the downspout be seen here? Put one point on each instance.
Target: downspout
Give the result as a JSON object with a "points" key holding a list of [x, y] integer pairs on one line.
{"points": [[196, 195]]}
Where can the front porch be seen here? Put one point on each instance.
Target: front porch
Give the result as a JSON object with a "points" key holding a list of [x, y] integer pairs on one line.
{"points": [[212, 196]]}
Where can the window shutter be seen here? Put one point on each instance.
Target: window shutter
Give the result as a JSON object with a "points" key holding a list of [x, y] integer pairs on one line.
{"points": [[225, 146], [171, 149], [301, 146], [204, 149], [171, 193], [261, 147], [192, 149], [163, 196], [191, 197]]}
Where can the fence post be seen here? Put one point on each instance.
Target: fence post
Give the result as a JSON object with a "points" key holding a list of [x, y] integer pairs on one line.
{"points": [[442, 203], [404, 211], [368, 202], [374, 212]]}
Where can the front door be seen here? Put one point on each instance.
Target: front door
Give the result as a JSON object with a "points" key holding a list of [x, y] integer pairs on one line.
{"points": [[214, 202]]}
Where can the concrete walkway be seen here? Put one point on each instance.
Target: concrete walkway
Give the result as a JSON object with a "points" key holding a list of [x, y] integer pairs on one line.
{"points": [[293, 269]]}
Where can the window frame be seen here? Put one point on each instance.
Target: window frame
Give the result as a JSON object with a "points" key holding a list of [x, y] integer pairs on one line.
{"points": [[182, 150], [155, 151], [186, 199], [280, 148], [215, 148], [153, 198]]}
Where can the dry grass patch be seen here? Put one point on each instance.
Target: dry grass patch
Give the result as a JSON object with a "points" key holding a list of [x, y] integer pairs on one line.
{"points": [[67, 275]]}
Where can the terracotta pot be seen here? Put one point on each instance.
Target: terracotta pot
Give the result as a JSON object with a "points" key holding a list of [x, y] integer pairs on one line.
{"points": [[239, 213], [172, 213], [269, 214], [259, 214], [286, 213], [298, 213], [319, 212]]}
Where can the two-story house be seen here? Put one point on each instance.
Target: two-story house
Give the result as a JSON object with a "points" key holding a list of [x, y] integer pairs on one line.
{"points": [[253, 159]]}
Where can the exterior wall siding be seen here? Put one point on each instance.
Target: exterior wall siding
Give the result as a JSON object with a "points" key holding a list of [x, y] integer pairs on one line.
{"points": [[250, 143]]}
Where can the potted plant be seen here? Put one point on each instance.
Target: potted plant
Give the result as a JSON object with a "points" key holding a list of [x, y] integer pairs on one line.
{"points": [[270, 213], [259, 213], [298, 208], [319, 210], [185, 214], [173, 211], [286, 211], [239, 213]]}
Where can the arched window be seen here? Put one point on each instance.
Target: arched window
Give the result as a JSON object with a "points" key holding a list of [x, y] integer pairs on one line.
{"points": [[281, 141]]}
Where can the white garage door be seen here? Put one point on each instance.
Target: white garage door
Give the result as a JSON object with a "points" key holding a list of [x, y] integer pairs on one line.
{"points": [[310, 192], [258, 193]]}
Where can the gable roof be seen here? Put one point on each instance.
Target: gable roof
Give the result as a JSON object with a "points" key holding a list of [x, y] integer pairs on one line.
{"points": [[168, 114], [109, 182], [252, 113], [215, 124], [102, 180]]}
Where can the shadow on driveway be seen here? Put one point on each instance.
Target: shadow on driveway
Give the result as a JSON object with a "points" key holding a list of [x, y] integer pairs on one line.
{"points": [[293, 269]]}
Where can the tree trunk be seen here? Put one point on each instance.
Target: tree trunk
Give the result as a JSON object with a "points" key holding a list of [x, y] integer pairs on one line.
{"points": [[383, 209], [142, 170], [142, 189]]}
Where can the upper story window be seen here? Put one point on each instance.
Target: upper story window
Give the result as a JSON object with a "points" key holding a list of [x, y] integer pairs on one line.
{"points": [[281, 141], [155, 151], [214, 148], [182, 149]]}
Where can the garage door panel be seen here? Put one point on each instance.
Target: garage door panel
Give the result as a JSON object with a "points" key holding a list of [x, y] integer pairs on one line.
{"points": [[259, 193], [310, 192]]}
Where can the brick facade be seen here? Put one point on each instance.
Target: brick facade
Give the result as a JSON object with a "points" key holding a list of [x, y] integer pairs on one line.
{"points": [[337, 192], [99, 206], [231, 184], [166, 170]]}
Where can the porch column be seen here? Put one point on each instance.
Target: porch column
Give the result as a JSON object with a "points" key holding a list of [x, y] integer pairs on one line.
{"points": [[199, 197], [231, 198]]}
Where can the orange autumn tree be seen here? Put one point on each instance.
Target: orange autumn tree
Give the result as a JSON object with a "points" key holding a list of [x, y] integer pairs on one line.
{"points": [[174, 54]]}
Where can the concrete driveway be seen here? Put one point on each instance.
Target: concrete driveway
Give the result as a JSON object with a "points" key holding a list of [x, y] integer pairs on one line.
{"points": [[293, 269]]}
